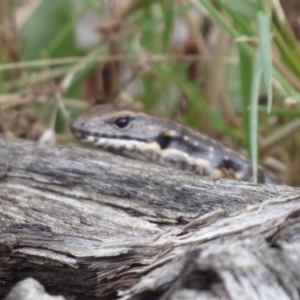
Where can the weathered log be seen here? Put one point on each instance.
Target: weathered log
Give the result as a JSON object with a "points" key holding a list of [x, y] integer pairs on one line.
{"points": [[90, 224], [30, 289]]}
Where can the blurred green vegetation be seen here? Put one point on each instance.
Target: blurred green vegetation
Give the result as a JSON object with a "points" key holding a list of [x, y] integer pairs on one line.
{"points": [[230, 68]]}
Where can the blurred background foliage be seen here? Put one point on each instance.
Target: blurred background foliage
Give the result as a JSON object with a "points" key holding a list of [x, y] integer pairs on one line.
{"points": [[216, 65]]}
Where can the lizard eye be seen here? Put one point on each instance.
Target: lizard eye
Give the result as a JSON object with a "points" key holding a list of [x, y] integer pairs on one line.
{"points": [[122, 122]]}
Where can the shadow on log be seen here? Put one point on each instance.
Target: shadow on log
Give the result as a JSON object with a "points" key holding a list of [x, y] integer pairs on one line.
{"points": [[92, 225]]}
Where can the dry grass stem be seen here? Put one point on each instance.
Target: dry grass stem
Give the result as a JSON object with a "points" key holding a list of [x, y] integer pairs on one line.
{"points": [[30, 79], [282, 134], [155, 58]]}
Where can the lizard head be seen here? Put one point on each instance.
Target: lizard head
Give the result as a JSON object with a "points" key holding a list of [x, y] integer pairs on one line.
{"points": [[120, 130]]}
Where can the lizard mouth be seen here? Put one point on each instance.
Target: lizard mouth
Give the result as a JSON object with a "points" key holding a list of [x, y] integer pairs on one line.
{"points": [[80, 133], [81, 130]]}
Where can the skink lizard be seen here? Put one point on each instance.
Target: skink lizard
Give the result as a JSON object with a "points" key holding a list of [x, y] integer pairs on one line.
{"points": [[161, 141]]}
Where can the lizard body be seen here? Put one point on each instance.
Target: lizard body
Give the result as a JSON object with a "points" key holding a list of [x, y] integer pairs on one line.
{"points": [[144, 137]]}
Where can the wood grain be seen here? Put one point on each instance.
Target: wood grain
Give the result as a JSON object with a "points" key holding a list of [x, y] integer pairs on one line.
{"points": [[90, 224]]}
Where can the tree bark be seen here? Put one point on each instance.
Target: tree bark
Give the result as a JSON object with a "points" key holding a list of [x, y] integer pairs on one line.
{"points": [[94, 225]]}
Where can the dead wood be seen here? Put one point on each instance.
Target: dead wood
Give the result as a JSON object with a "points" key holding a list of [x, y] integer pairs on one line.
{"points": [[90, 224], [30, 289]]}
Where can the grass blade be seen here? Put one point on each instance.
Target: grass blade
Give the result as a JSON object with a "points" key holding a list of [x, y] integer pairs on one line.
{"points": [[265, 53], [257, 74], [246, 74]]}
